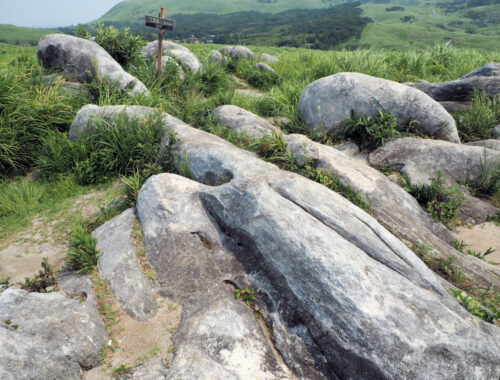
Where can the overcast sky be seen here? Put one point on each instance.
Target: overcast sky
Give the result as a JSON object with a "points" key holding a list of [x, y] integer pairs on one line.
{"points": [[52, 13]]}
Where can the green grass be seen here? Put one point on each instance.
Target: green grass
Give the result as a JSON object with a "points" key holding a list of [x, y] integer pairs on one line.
{"points": [[431, 25], [18, 35]]}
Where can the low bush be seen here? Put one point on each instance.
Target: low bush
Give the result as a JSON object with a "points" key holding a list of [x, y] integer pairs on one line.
{"points": [[478, 123], [488, 183], [82, 253], [45, 281], [123, 46], [441, 201]]}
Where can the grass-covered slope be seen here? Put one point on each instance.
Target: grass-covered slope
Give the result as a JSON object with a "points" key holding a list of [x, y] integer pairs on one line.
{"points": [[422, 26], [22, 36]]}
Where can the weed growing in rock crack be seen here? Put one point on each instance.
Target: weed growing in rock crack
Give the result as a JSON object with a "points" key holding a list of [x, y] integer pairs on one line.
{"points": [[371, 132], [248, 296], [487, 299], [460, 245], [125, 368], [475, 307], [138, 242], [45, 281], [441, 201], [488, 182]]}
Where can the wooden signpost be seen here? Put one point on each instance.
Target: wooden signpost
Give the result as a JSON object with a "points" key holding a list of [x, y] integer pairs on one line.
{"points": [[161, 24]]}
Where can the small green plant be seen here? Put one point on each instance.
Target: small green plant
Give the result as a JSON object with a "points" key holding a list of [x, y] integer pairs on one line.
{"points": [[494, 218], [81, 32], [460, 245], [488, 182], [248, 296], [372, 132], [475, 307], [131, 187], [441, 201], [82, 253], [44, 282], [122, 370]]}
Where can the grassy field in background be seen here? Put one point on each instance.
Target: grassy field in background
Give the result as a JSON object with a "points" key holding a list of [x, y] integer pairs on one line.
{"points": [[430, 26], [22, 36]]}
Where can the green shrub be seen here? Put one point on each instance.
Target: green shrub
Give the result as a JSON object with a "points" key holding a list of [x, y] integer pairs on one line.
{"points": [[488, 183], [478, 123], [45, 281], [81, 32], [371, 132], [441, 201], [123, 46], [82, 253], [475, 308]]}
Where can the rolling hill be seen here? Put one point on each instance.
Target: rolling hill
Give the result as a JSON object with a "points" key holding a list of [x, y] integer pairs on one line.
{"points": [[17, 35]]}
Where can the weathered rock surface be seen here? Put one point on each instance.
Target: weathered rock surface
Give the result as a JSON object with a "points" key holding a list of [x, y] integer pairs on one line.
{"points": [[151, 49], [421, 159], [152, 369], [47, 336], [187, 59], [488, 144], [488, 70], [453, 107], [269, 58], [168, 60], [216, 57], [240, 120], [242, 52], [181, 53], [71, 88], [461, 89], [226, 50], [326, 103], [334, 284], [118, 264], [264, 67], [388, 201], [85, 116], [84, 60]]}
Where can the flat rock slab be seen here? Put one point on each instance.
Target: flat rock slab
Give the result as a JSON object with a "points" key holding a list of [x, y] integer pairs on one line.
{"points": [[421, 159], [461, 89], [334, 284], [152, 369], [84, 60], [488, 144], [327, 103], [48, 336], [118, 264], [240, 120]]}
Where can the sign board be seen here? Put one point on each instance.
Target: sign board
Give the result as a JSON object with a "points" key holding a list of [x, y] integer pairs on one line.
{"points": [[160, 23]]}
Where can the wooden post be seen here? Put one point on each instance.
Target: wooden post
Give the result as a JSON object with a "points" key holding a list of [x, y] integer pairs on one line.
{"points": [[160, 42]]}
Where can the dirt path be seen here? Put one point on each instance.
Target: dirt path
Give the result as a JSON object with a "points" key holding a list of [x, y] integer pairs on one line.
{"points": [[481, 237]]}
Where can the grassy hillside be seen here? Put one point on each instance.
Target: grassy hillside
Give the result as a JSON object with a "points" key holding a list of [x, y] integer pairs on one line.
{"points": [[22, 36], [137, 9]]}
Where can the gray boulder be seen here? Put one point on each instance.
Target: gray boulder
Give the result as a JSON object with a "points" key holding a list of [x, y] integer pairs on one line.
{"points": [[118, 264], [216, 57], [388, 201], [187, 59], [48, 336], [168, 60], [151, 49], [90, 112], [327, 103], [488, 144], [333, 283], [226, 50], [421, 159], [461, 89], [264, 67], [239, 120], [84, 60], [268, 58], [242, 52], [489, 70], [453, 107]]}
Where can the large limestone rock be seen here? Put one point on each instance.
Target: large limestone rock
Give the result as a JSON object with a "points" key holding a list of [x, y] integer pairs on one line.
{"points": [[461, 89], [489, 70], [151, 49], [118, 264], [388, 201], [242, 52], [326, 103], [226, 50], [268, 58], [264, 67], [216, 57], [421, 159], [181, 53], [345, 298], [47, 336], [488, 144], [90, 112], [84, 60], [240, 120]]}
